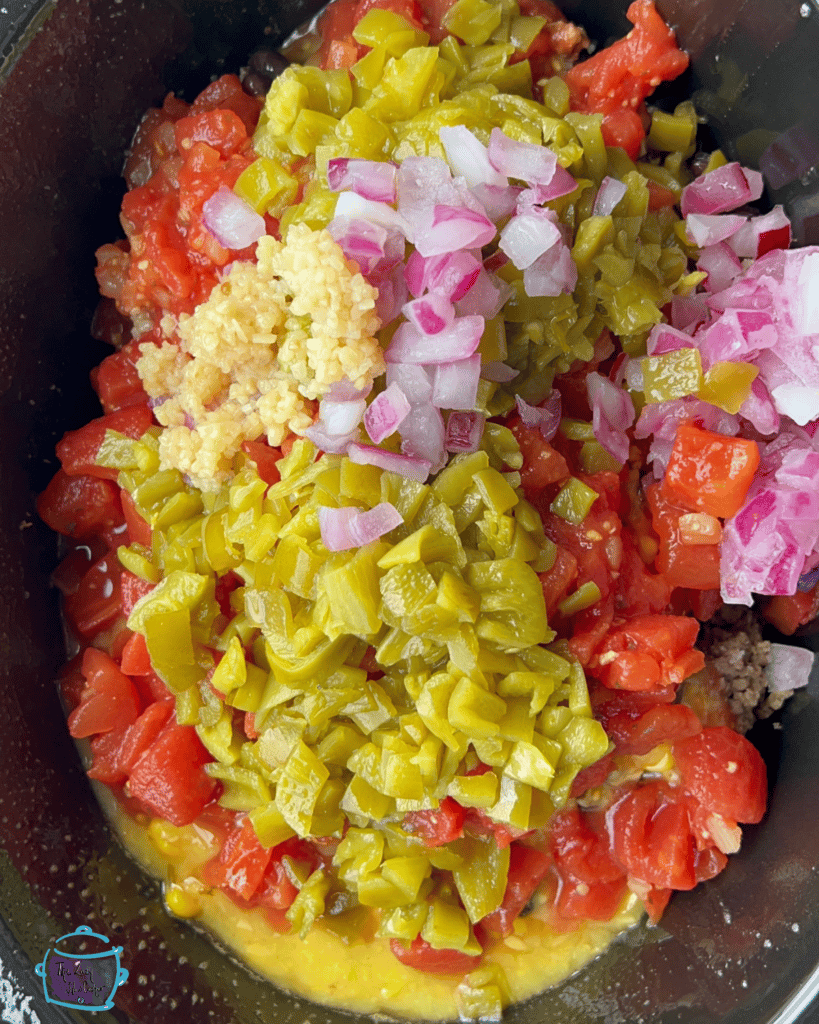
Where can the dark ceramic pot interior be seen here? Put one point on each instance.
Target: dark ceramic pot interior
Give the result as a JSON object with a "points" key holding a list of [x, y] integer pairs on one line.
{"points": [[742, 949]]}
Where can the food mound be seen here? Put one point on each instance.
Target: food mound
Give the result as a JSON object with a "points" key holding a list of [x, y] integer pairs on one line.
{"points": [[453, 391]]}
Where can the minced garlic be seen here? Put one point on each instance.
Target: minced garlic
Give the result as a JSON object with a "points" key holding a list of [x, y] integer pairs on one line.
{"points": [[272, 337]]}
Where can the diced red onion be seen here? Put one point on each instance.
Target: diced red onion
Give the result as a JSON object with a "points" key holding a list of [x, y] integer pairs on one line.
{"points": [[725, 188], [788, 667], [562, 184], [392, 293], [455, 385], [464, 431], [546, 416], [385, 413], [704, 229], [662, 338], [345, 528], [798, 401], [414, 273], [372, 179], [612, 414], [345, 391], [486, 298], [232, 222], [528, 236], [423, 435], [454, 228], [452, 274], [413, 380], [521, 160], [356, 207], [458, 341], [468, 157], [688, 310], [430, 314], [335, 443], [609, 194], [404, 465], [720, 263], [339, 418], [498, 372], [759, 410], [760, 235], [499, 203], [553, 273], [360, 240]]}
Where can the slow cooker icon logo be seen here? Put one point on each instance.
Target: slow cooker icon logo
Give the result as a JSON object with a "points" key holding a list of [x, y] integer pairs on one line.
{"points": [[74, 977]]}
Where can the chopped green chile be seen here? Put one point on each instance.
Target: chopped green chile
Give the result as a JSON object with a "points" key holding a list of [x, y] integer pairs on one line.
{"points": [[451, 610]]}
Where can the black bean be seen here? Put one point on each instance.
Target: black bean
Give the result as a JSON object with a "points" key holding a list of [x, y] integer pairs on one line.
{"points": [[268, 63], [255, 84]]}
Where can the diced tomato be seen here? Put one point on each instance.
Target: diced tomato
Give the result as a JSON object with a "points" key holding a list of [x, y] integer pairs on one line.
{"points": [[78, 449], [169, 778], [117, 381], [264, 458], [151, 687], [133, 589], [478, 823], [139, 532], [655, 902], [104, 761], [277, 891], [96, 603], [135, 658], [592, 776], [589, 629], [71, 682], [438, 826], [221, 129], [527, 869], [542, 465], [709, 472], [651, 652], [251, 731], [624, 74], [725, 772], [589, 901], [557, 581], [789, 613], [109, 701], [116, 753], [624, 128], [638, 590], [226, 93], [422, 957], [651, 836], [579, 850], [80, 506], [659, 197], [244, 861], [143, 732], [342, 53], [660, 724]]}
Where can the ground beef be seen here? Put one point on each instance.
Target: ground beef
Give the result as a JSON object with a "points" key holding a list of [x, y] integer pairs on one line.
{"points": [[733, 642]]}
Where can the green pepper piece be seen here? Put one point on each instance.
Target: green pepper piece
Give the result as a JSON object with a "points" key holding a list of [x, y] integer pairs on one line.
{"points": [[298, 788], [573, 501], [672, 375], [309, 904], [481, 878]]}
